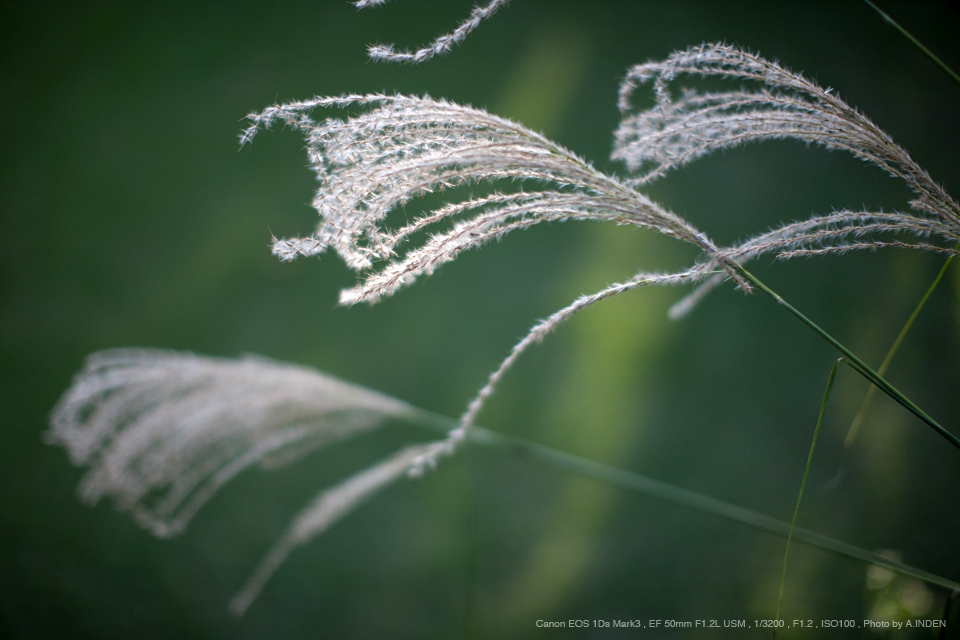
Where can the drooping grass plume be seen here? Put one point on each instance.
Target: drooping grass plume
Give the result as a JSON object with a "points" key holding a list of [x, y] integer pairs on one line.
{"points": [[441, 45], [685, 124], [148, 422], [402, 146], [405, 146], [160, 431]]}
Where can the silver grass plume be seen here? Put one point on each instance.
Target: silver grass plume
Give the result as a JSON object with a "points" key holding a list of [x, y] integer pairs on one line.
{"points": [[688, 124], [160, 431], [441, 45], [403, 147], [407, 146]]}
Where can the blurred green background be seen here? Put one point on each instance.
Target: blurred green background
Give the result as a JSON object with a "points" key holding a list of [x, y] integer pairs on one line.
{"points": [[130, 219]]}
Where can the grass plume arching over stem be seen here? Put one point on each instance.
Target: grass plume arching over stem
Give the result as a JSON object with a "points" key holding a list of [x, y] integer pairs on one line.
{"points": [[771, 102], [406, 146], [687, 124], [868, 397], [228, 415]]}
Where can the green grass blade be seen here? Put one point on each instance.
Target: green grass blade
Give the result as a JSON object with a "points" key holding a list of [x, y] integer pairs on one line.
{"points": [[672, 494], [919, 45], [803, 483], [868, 398], [856, 363]]}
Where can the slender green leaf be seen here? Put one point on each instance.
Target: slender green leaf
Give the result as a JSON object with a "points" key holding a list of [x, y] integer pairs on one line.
{"points": [[919, 45], [803, 483], [673, 494], [858, 365], [868, 398]]}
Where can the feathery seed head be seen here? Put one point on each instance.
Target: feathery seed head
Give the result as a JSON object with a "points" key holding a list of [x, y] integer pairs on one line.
{"points": [[688, 124], [681, 128], [404, 146], [161, 431]]}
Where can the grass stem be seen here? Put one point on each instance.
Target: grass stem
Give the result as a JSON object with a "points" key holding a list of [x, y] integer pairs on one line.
{"points": [[471, 552], [868, 398], [919, 45], [856, 363], [672, 494], [803, 483]]}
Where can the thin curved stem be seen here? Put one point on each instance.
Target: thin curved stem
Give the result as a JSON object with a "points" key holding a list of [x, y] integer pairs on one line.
{"points": [[868, 398], [858, 365], [919, 45], [470, 559], [803, 483], [672, 494]]}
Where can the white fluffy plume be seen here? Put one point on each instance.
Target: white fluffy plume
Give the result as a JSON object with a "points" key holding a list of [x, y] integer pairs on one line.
{"points": [[400, 147], [407, 146], [161, 431], [687, 123]]}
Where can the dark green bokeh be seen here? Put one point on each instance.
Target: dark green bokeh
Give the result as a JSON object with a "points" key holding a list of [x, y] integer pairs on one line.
{"points": [[131, 220]]}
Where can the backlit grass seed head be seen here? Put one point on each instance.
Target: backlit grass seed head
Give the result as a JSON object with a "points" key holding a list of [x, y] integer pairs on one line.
{"points": [[686, 123], [160, 432], [403, 147]]}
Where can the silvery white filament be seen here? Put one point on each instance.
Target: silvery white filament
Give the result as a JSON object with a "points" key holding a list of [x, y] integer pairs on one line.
{"points": [[681, 128], [688, 124], [406, 146], [544, 327], [443, 44], [326, 509], [161, 431], [435, 452]]}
